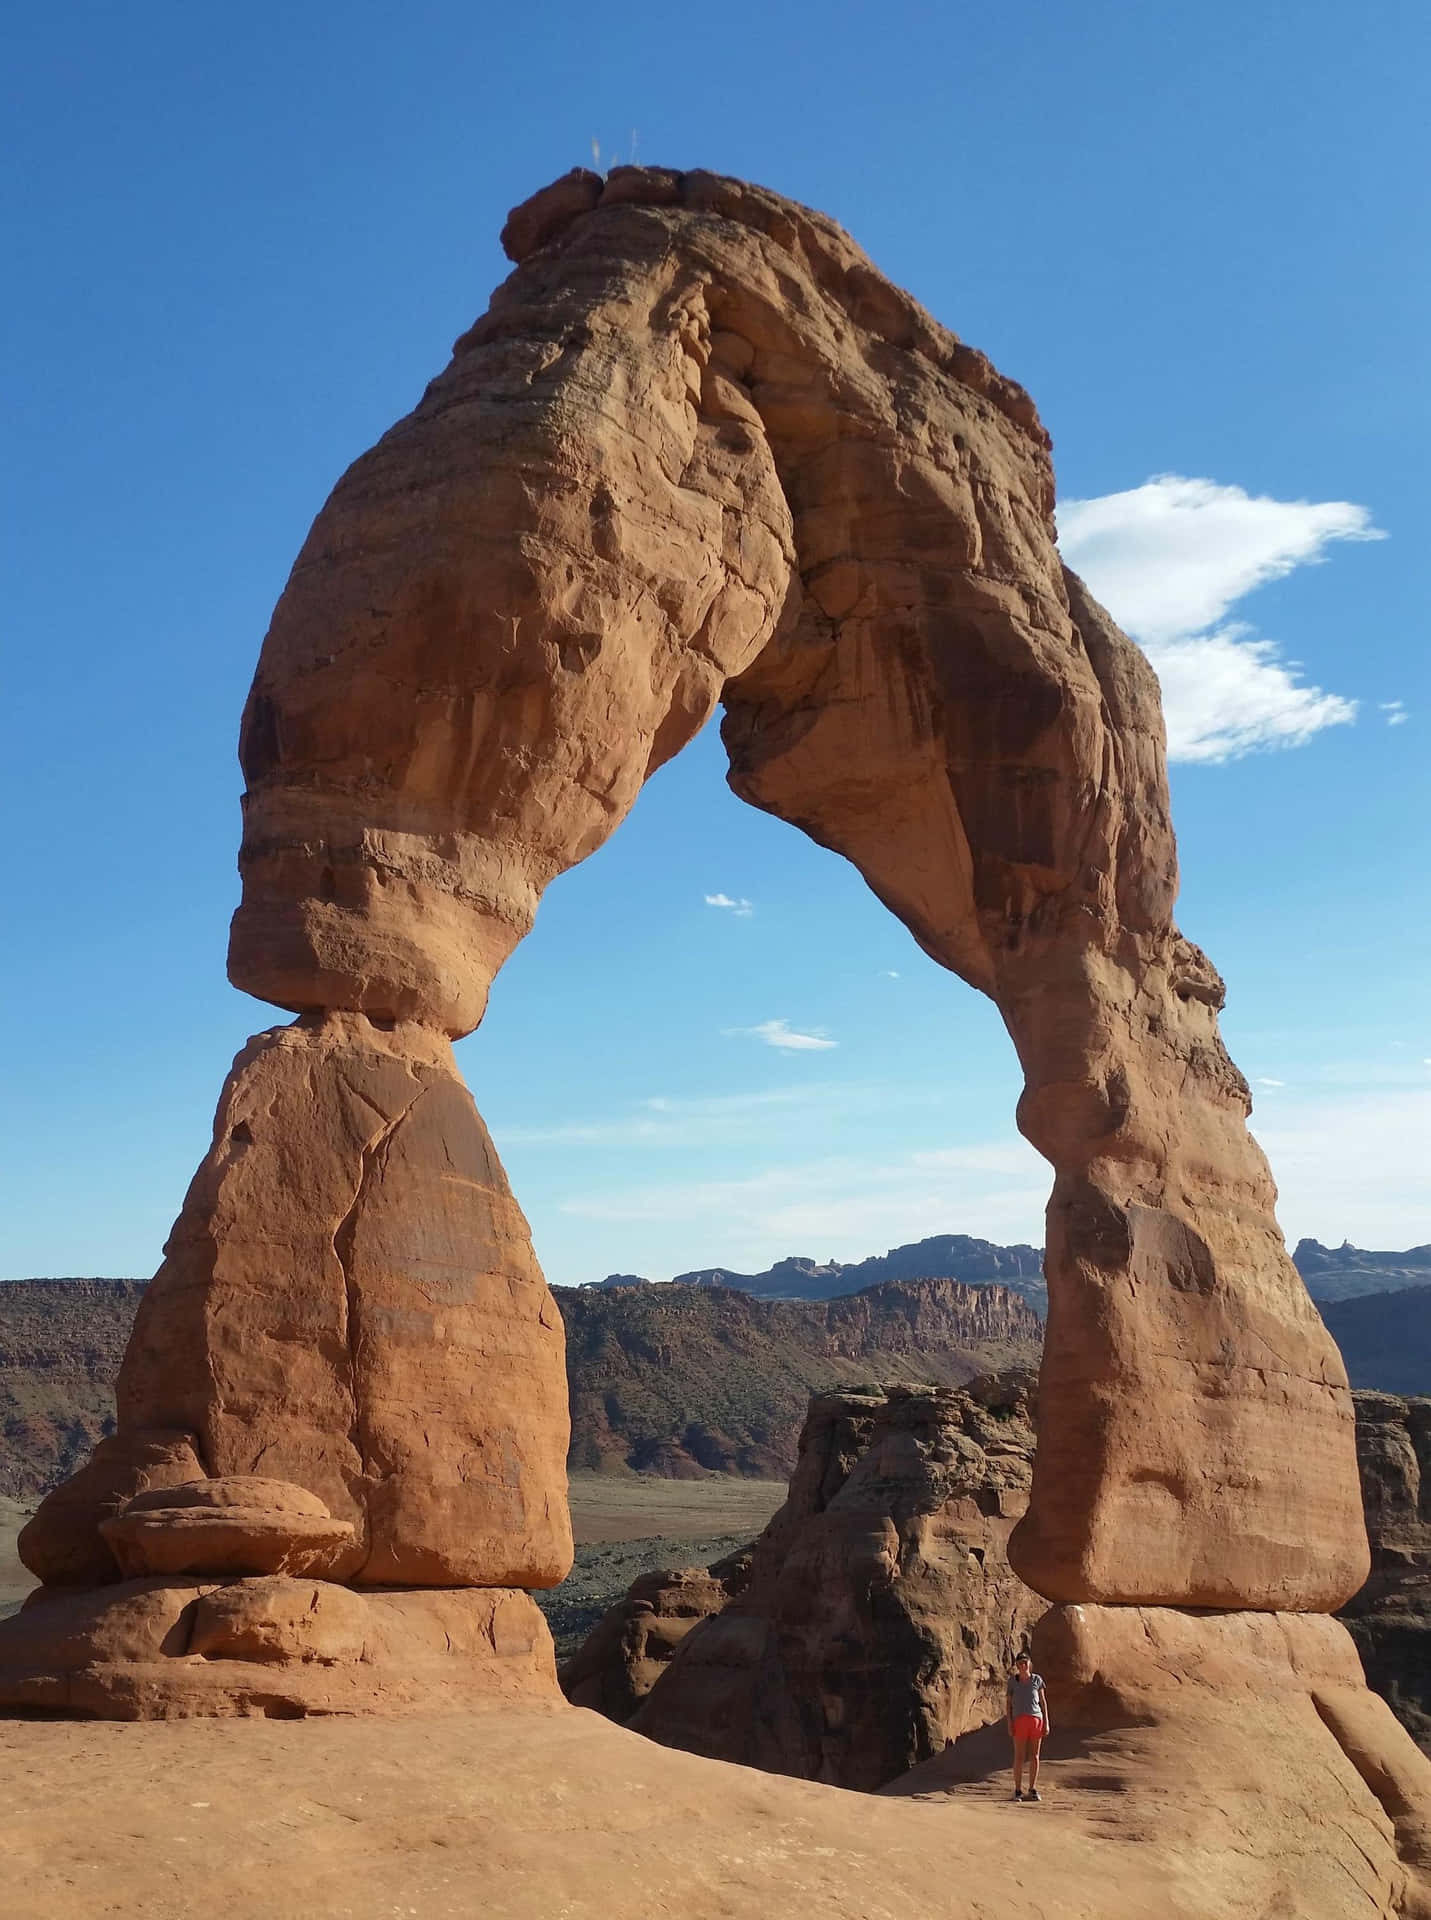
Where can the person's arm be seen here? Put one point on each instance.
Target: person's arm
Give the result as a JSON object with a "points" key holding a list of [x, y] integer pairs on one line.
{"points": [[1009, 1705], [1047, 1721]]}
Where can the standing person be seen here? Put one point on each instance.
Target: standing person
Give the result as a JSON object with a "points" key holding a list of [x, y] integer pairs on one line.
{"points": [[1028, 1723]]}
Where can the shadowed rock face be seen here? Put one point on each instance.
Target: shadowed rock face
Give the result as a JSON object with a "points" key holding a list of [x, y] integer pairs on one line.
{"points": [[881, 1617], [874, 1618], [698, 450], [1390, 1619]]}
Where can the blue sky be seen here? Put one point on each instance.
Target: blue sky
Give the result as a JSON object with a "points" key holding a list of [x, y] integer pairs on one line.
{"points": [[240, 243]]}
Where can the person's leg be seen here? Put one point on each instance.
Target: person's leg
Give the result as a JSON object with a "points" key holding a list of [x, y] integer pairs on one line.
{"points": [[1020, 1755], [1033, 1753]]}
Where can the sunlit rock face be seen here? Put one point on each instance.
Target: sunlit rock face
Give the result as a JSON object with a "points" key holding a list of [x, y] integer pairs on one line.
{"points": [[698, 452]]}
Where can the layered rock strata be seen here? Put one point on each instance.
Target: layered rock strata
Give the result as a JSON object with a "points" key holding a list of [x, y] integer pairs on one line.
{"points": [[280, 1647], [877, 1617]]}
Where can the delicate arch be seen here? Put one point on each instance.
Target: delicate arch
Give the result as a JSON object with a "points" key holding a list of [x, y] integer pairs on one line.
{"points": [[698, 450]]}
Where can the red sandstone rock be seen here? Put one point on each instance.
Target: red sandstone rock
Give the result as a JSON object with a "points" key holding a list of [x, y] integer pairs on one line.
{"points": [[173, 1648], [280, 1619], [241, 1524], [63, 1543], [700, 451], [350, 1302], [1247, 1742]]}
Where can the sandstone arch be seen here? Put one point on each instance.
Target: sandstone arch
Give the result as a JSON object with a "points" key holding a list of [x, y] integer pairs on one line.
{"points": [[697, 451]]}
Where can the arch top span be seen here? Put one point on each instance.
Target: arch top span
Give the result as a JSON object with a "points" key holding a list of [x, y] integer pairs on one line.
{"points": [[699, 451]]}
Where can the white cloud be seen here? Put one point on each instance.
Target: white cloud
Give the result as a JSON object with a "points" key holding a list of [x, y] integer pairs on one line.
{"points": [[1169, 559], [742, 909], [889, 974], [1395, 711], [778, 1033], [1265, 1082], [1226, 694]]}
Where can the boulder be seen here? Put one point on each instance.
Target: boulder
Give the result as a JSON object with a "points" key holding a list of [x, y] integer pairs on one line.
{"points": [[880, 1616], [240, 1523], [63, 1543]]}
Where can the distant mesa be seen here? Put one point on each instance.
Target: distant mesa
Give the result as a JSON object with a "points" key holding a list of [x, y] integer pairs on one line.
{"points": [[944, 1256], [1344, 1272]]}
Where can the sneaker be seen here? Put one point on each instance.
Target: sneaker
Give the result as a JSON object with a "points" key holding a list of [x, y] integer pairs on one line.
{"points": [[1033, 1794], [1017, 1794]]}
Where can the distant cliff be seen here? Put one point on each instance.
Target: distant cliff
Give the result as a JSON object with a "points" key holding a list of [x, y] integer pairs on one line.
{"points": [[673, 1380], [1346, 1272], [668, 1380], [61, 1342], [945, 1256]]}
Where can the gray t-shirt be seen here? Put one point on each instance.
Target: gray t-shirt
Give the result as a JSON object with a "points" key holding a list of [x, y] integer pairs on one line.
{"points": [[1026, 1696]]}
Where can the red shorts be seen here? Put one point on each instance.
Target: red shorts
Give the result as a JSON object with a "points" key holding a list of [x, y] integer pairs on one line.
{"points": [[1028, 1726]]}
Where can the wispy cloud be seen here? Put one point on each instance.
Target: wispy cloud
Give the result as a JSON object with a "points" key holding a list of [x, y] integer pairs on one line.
{"points": [[1395, 711], [779, 1033], [1265, 1081], [889, 973], [761, 1117], [845, 1204], [742, 909], [1169, 559]]}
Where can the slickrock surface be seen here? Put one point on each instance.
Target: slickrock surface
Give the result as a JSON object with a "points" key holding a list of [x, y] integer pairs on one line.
{"points": [[1244, 1750], [700, 451], [878, 1618], [1390, 1619], [529, 1815]]}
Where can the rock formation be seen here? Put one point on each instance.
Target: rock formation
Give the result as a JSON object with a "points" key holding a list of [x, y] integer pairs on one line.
{"points": [[1390, 1619], [877, 1616], [634, 1642], [699, 451]]}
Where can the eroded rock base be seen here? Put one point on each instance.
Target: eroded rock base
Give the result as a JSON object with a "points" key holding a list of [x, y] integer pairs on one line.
{"points": [[1246, 1741], [173, 1649]]}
